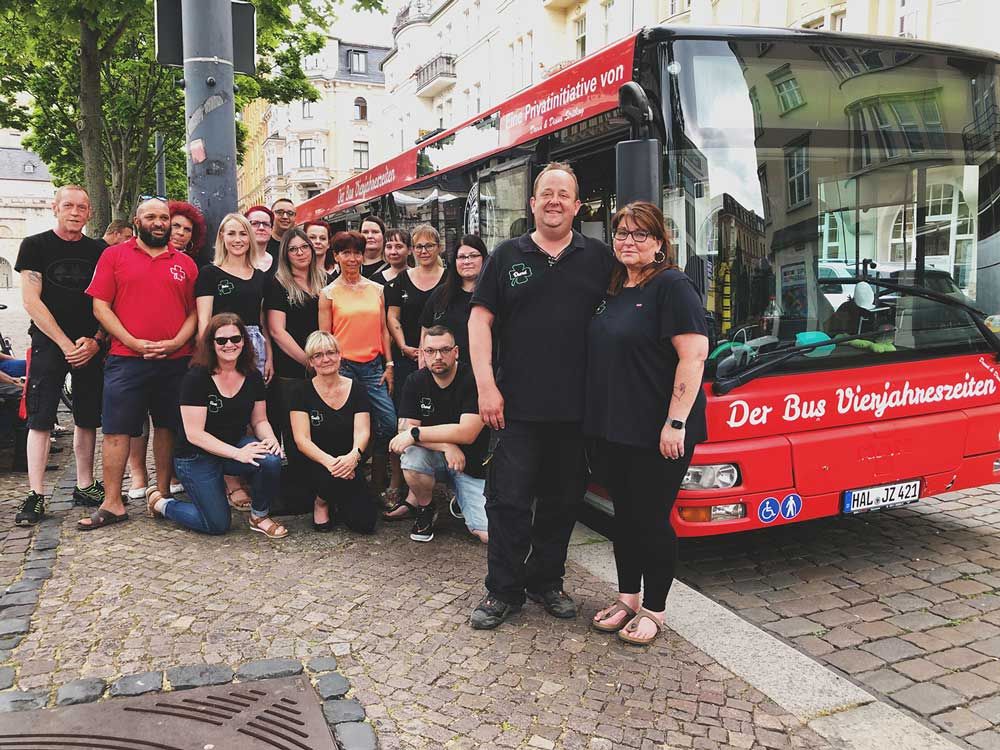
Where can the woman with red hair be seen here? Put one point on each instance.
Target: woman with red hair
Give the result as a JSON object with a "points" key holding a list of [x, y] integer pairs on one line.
{"points": [[187, 228]]}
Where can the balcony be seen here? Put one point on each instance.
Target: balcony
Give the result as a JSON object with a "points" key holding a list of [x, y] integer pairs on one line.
{"points": [[436, 76]]}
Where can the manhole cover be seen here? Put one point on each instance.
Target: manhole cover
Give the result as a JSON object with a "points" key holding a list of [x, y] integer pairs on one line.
{"points": [[282, 714]]}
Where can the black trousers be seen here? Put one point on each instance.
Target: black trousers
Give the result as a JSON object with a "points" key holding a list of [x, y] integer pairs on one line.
{"points": [[643, 486], [532, 461], [296, 494], [350, 500]]}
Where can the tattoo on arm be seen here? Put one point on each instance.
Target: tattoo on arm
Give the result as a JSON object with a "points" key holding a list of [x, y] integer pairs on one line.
{"points": [[680, 389], [35, 277]]}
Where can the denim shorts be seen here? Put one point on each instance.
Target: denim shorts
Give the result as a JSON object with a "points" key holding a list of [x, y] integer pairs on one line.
{"points": [[468, 490], [135, 387]]}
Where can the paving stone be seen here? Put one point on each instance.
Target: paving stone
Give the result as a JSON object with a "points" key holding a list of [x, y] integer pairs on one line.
{"points": [[18, 626], [266, 669], [322, 664], [137, 684], [355, 735], [990, 647], [46, 543], [19, 586], [989, 709], [927, 698], [914, 621], [17, 700], [18, 599], [332, 685], [6, 677], [339, 711], [794, 626], [892, 649], [920, 669], [968, 684], [199, 675], [10, 643], [961, 721], [988, 740], [81, 691], [884, 680], [958, 658]]}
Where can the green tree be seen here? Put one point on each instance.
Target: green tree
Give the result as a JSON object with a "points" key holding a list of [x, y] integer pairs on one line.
{"points": [[97, 96]]}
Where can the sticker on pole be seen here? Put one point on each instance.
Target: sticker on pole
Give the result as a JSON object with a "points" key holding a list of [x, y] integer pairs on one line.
{"points": [[791, 506], [768, 510]]}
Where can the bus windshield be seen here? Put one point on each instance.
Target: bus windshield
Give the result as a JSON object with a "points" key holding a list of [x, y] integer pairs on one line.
{"points": [[802, 167]]}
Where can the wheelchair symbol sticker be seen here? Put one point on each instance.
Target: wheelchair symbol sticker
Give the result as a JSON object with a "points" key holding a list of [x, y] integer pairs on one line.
{"points": [[768, 510], [791, 506]]}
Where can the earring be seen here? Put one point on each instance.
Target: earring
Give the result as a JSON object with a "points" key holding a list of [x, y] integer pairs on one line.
{"points": [[659, 257]]}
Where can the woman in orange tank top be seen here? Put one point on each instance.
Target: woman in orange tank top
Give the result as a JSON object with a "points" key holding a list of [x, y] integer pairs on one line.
{"points": [[352, 308]]}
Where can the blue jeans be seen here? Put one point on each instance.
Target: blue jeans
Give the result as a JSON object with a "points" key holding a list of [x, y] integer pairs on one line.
{"points": [[383, 410], [468, 490], [16, 368], [202, 475]]}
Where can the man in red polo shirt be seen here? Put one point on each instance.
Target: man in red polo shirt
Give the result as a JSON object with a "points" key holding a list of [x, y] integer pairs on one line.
{"points": [[143, 294]]}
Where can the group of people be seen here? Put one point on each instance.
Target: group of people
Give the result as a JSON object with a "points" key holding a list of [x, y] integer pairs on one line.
{"points": [[492, 373]]}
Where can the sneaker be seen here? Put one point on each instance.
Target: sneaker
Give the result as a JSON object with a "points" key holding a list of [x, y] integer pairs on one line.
{"points": [[32, 510], [455, 509], [556, 602], [92, 496], [423, 527], [176, 488], [490, 612]]}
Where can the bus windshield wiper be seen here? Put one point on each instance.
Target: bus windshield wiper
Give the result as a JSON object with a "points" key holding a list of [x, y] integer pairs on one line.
{"points": [[766, 362]]}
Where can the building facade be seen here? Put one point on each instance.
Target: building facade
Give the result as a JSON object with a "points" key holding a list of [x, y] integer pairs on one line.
{"points": [[26, 192]]}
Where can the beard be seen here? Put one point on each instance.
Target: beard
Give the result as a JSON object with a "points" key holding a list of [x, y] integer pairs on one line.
{"points": [[151, 240]]}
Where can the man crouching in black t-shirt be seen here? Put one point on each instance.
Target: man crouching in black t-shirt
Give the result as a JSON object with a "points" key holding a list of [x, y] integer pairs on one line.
{"points": [[443, 437]]}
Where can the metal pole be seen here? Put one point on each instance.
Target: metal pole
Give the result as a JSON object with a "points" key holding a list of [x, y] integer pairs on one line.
{"points": [[161, 166], [209, 108]]}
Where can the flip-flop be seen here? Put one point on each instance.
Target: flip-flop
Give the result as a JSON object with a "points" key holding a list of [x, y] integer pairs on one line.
{"points": [[411, 511], [633, 624], [618, 606], [101, 518]]}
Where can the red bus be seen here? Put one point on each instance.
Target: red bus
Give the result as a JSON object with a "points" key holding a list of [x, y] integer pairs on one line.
{"points": [[834, 197]]}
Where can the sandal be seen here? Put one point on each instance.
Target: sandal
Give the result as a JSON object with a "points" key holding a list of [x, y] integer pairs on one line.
{"points": [[614, 609], [633, 625], [272, 530], [101, 518], [411, 511], [153, 496], [237, 504]]}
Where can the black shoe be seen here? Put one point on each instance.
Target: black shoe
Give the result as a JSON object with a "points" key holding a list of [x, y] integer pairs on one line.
{"points": [[423, 527], [490, 612], [323, 527], [32, 510], [557, 603], [91, 497]]}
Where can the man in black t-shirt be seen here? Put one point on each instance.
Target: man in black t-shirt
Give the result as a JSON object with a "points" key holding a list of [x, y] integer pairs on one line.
{"points": [[443, 437], [534, 299], [56, 266]]}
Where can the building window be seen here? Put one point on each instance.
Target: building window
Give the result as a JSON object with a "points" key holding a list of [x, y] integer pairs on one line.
{"points": [[837, 20], [797, 174], [677, 6], [310, 62], [765, 197], [361, 154], [832, 237], [280, 165], [307, 109], [29, 168], [789, 94], [360, 109], [758, 121], [580, 33], [358, 61], [815, 23], [306, 149], [478, 90], [892, 126]]}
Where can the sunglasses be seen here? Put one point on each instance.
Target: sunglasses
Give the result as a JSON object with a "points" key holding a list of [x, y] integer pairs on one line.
{"points": [[223, 340]]}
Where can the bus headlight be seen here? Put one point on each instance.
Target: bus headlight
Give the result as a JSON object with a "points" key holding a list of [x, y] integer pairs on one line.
{"points": [[711, 477]]}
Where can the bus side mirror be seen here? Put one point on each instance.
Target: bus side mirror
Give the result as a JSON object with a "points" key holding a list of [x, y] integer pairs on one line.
{"points": [[639, 172]]}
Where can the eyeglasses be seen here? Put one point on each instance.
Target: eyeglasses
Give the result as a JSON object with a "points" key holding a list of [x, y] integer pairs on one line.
{"points": [[466, 258], [299, 249], [223, 340], [444, 351], [330, 354], [426, 247], [638, 235], [259, 224], [284, 212]]}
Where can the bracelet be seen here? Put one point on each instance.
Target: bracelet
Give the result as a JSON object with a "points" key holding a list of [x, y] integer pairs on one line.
{"points": [[390, 363]]}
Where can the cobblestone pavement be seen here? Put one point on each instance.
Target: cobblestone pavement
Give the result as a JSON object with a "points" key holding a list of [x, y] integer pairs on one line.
{"points": [[147, 595], [905, 602]]}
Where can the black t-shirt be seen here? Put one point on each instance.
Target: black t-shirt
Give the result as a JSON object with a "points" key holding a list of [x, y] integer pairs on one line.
{"points": [[541, 311], [300, 321], [631, 361], [370, 270], [66, 269], [332, 430], [430, 404], [410, 300], [227, 418], [454, 317], [273, 249], [231, 293]]}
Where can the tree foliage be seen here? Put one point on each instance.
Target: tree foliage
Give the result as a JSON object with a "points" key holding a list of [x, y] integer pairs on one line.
{"points": [[99, 130]]}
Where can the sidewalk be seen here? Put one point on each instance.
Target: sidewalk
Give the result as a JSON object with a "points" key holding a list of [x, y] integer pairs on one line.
{"points": [[148, 596]]}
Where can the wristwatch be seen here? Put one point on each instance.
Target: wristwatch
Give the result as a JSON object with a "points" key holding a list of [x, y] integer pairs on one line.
{"points": [[676, 424], [390, 363], [415, 433]]}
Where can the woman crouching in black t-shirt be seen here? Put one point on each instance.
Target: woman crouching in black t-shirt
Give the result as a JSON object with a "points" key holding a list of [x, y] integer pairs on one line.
{"points": [[646, 349], [331, 422], [220, 395]]}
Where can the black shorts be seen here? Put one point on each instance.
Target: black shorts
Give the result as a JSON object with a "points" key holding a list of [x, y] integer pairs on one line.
{"points": [[135, 387], [46, 376]]}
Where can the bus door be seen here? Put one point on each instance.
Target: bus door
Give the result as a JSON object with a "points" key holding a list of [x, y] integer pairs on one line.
{"points": [[498, 202]]}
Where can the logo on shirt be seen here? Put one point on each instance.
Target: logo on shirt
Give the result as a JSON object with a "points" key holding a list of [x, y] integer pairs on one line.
{"points": [[214, 404], [70, 273], [438, 315], [601, 307], [519, 274], [404, 295], [315, 418], [178, 272], [426, 406], [225, 287]]}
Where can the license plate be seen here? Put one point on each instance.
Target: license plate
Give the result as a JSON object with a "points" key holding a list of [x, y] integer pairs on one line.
{"points": [[883, 496]]}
